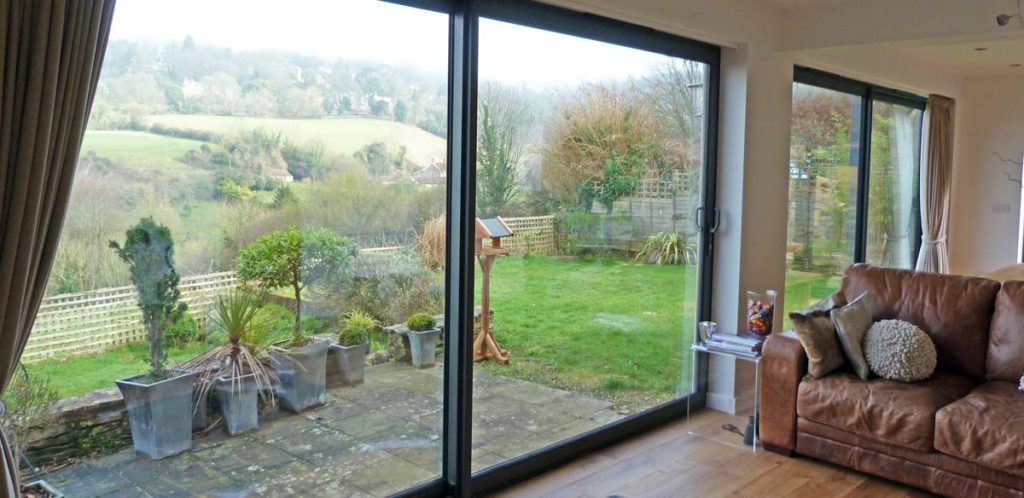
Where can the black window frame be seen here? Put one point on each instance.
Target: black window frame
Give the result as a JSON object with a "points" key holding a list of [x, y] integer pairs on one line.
{"points": [[868, 94], [456, 477]]}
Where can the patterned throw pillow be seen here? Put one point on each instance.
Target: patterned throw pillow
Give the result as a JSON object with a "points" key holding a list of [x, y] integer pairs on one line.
{"points": [[852, 322], [898, 350], [818, 337]]}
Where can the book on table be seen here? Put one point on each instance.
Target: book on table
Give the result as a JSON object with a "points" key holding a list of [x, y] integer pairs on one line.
{"points": [[734, 344]]}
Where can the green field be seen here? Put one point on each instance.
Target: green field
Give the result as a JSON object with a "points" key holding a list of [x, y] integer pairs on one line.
{"points": [[603, 326], [140, 150], [338, 135]]}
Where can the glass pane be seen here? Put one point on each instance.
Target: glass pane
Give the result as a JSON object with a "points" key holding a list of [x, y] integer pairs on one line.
{"points": [[893, 219], [822, 193], [590, 154], [296, 152]]}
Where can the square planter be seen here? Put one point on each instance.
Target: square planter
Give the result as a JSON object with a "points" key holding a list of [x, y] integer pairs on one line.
{"points": [[41, 488], [238, 401], [423, 347], [159, 414], [303, 375], [346, 365]]}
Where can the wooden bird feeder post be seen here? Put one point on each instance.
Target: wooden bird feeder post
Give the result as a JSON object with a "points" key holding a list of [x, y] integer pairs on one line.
{"points": [[485, 347]]}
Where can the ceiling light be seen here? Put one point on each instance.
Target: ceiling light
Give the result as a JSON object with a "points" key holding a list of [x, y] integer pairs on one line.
{"points": [[1004, 19], [980, 49]]}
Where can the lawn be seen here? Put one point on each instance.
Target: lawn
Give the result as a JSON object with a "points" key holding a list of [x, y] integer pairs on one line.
{"points": [[338, 135], [82, 374], [604, 326], [141, 150]]}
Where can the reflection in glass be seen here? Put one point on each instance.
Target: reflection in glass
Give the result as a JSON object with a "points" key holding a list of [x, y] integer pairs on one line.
{"points": [[893, 219], [822, 193]]}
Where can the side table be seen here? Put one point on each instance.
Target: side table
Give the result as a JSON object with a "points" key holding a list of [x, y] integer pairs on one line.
{"points": [[754, 358]]}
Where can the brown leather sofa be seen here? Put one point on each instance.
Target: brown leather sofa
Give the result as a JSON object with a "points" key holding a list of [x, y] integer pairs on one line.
{"points": [[958, 433]]}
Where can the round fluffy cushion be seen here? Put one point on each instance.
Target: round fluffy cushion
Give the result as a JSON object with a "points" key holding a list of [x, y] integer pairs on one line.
{"points": [[897, 350]]}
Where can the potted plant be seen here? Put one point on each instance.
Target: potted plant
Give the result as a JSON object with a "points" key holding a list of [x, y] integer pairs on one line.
{"points": [[296, 259], [238, 372], [423, 333], [349, 352], [158, 402]]}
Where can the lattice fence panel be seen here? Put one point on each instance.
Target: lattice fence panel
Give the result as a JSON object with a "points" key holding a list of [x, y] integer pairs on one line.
{"points": [[94, 321], [533, 234]]}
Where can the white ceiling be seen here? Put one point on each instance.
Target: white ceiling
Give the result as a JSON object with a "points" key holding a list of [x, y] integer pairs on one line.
{"points": [[964, 59]]}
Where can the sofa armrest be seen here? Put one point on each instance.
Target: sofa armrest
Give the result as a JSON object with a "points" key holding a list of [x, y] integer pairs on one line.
{"points": [[783, 366]]}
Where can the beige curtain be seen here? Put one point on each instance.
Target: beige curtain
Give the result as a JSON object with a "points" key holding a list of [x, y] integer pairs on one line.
{"points": [[52, 51], [936, 177]]}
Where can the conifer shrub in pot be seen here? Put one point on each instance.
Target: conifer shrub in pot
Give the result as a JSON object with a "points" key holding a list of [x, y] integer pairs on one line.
{"points": [[159, 402], [239, 371], [423, 334], [298, 258], [347, 357]]}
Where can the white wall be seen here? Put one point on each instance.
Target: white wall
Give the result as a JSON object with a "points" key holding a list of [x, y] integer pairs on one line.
{"points": [[991, 120]]}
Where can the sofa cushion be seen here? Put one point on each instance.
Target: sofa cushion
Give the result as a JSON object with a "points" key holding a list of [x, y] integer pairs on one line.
{"points": [[897, 413], [954, 311], [986, 426], [1006, 338]]}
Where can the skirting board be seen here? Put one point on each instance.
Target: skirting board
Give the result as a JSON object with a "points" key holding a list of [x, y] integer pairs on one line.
{"points": [[729, 403]]}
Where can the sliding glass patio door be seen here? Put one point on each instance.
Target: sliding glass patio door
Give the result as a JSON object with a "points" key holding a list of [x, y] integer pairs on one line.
{"points": [[590, 176]]}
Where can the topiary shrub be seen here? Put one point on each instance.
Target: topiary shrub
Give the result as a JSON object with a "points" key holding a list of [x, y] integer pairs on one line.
{"points": [[420, 322]]}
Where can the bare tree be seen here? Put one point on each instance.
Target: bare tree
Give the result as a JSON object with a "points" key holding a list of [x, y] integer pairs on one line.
{"points": [[677, 90], [504, 119]]}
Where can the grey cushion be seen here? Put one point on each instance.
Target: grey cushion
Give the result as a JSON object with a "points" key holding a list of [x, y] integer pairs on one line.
{"points": [[852, 322], [898, 350]]}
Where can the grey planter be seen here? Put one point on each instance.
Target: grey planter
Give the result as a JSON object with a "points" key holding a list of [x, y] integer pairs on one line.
{"points": [[303, 375], [346, 365], [200, 412], [40, 485], [159, 414], [238, 401], [423, 347]]}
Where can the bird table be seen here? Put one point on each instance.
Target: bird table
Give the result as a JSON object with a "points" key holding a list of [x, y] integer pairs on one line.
{"points": [[485, 347]]}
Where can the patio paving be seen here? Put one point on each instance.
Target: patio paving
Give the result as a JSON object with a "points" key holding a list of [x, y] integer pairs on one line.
{"points": [[369, 440]]}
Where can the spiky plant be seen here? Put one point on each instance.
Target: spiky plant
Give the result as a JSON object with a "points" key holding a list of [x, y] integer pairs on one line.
{"points": [[247, 351]]}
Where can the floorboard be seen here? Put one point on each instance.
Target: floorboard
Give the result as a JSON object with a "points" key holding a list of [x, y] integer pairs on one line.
{"points": [[671, 462]]}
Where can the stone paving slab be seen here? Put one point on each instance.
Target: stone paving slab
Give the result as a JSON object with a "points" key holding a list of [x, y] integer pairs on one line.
{"points": [[369, 440]]}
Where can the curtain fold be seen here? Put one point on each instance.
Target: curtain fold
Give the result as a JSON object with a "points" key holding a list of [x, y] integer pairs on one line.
{"points": [[52, 53], [936, 178]]}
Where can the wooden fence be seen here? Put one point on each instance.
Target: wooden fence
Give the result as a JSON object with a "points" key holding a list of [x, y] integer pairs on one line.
{"points": [[94, 321], [533, 234]]}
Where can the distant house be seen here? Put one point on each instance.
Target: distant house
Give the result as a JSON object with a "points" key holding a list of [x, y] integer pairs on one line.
{"points": [[280, 174], [431, 175]]}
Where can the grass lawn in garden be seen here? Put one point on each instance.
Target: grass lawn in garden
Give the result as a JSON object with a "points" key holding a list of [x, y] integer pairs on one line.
{"points": [[82, 374], [338, 135]]}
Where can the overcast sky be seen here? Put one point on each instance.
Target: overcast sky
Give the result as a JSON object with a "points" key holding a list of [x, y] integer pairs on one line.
{"points": [[374, 30]]}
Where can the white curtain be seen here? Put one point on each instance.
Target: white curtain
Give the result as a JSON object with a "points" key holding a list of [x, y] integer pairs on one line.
{"points": [[936, 177], [898, 251]]}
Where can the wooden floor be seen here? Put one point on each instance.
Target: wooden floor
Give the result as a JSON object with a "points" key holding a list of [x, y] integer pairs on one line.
{"points": [[669, 462]]}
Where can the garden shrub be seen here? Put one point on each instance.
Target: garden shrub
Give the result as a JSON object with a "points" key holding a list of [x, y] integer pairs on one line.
{"points": [[183, 331], [358, 329], [390, 286], [421, 321]]}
